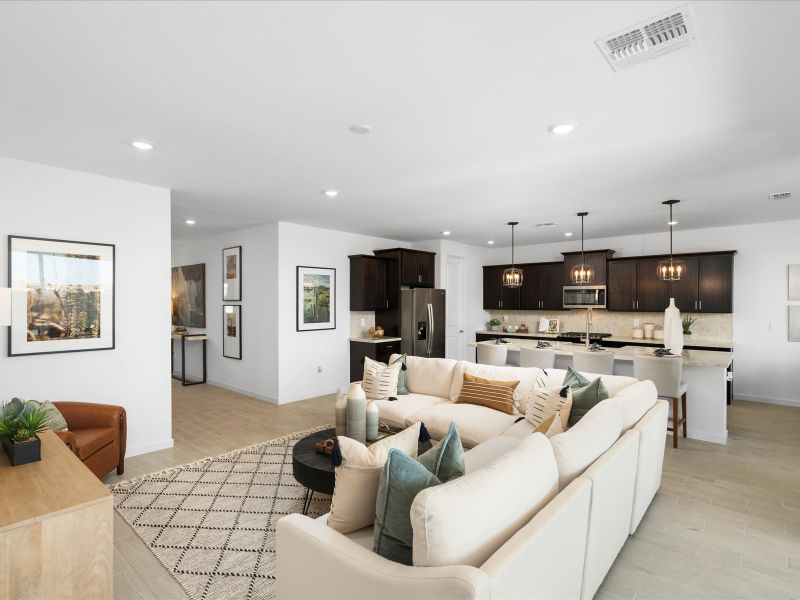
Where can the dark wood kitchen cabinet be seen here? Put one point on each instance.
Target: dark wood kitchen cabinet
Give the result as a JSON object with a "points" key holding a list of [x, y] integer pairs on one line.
{"points": [[633, 285], [621, 284], [685, 291], [651, 292], [596, 258], [496, 296], [417, 268], [380, 351], [541, 286], [716, 283], [368, 283]]}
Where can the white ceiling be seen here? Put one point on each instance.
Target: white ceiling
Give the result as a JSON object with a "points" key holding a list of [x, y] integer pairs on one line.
{"points": [[250, 103]]}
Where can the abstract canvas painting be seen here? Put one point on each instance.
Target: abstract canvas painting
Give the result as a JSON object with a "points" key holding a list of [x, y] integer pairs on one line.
{"points": [[189, 295], [316, 298], [62, 296], [232, 273]]}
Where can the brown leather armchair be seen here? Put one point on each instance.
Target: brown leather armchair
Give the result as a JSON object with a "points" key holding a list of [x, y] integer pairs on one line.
{"points": [[96, 434]]}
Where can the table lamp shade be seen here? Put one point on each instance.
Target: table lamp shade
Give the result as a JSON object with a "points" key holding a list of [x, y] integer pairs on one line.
{"points": [[5, 306]]}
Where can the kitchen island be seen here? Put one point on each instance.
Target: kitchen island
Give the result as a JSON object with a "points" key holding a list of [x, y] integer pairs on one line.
{"points": [[704, 372]]}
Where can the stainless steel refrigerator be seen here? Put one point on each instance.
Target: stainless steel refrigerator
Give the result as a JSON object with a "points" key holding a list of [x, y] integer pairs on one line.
{"points": [[422, 322]]}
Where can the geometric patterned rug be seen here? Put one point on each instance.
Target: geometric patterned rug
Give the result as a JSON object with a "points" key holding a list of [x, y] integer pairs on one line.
{"points": [[212, 523]]}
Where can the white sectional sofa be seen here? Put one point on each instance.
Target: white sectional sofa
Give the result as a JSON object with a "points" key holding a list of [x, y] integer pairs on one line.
{"points": [[531, 518]]}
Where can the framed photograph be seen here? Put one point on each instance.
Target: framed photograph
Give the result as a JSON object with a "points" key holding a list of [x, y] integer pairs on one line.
{"points": [[316, 298], [189, 295], [232, 273], [794, 283], [232, 331], [62, 296]]}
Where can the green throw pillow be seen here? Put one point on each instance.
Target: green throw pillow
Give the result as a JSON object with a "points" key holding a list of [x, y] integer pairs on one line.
{"points": [[402, 478], [402, 390], [574, 379], [584, 398]]}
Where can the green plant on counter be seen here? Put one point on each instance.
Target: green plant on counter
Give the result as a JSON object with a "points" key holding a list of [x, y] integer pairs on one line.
{"points": [[495, 322], [21, 421], [688, 322]]}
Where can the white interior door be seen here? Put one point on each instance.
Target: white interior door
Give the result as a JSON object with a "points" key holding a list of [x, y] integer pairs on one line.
{"points": [[456, 313]]}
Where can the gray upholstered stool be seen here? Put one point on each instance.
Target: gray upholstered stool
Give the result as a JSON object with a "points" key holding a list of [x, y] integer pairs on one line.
{"points": [[492, 354], [600, 362], [665, 373], [544, 358]]}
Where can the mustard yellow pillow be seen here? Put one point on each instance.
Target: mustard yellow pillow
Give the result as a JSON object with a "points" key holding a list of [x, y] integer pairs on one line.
{"points": [[497, 395]]}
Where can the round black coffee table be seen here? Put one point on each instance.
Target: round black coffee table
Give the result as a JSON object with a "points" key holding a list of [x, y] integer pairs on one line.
{"points": [[314, 471]]}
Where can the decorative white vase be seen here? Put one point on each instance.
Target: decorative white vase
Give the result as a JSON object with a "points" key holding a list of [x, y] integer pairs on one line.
{"points": [[372, 421], [673, 329], [357, 413], [341, 414]]}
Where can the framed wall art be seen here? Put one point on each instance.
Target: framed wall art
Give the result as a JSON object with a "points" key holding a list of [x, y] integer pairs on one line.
{"points": [[232, 273], [232, 331], [316, 298], [189, 295], [62, 296]]}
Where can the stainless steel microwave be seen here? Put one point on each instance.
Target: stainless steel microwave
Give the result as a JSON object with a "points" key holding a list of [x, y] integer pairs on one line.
{"points": [[584, 296]]}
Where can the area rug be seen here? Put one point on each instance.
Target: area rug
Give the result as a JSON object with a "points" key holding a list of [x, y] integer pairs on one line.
{"points": [[212, 523]]}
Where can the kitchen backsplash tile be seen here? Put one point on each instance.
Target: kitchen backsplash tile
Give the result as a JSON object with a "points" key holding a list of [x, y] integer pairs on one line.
{"points": [[708, 326], [356, 330]]}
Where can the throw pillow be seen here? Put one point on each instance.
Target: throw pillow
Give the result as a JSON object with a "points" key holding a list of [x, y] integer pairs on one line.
{"points": [[57, 421], [380, 380], [402, 478], [497, 395], [402, 388], [583, 399], [552, 426], [356, 485], [574, 379], [546, 402]]}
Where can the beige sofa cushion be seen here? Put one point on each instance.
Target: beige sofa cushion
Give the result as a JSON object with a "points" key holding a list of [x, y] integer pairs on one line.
{"points": [[476, 424], [429, 376], [463, 522], [493, 448], [634, 401], [613, 383], [529, 379], [403, 411]]}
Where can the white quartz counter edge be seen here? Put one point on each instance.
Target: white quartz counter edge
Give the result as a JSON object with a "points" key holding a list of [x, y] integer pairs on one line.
{"points": [[375, 340], [691, 358], [688, 340]]}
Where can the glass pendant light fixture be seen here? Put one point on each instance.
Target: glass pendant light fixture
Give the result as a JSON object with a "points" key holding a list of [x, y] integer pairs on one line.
{"points": [[582, 273], [512, 277], [671, 269]]}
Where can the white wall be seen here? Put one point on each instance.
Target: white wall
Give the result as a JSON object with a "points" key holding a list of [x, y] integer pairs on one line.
{"points": [[764, 360], [301, 352], [257, 373], [42, 201]]}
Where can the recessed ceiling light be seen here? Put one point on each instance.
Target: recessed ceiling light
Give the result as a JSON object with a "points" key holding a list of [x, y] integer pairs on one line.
{"points": [[445, 233], [190, 221], [490, 242], [567, 234], [672, 222], [143, 145], [562, 128], [331, 193], [360, 128]]}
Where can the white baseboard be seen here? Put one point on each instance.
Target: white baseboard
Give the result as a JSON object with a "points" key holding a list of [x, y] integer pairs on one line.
{"points": [[767, 400], [705, 436], [244, 391], [315, 394], [151, 447]]}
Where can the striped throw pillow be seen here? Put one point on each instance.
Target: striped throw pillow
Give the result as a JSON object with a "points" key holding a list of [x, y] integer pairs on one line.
{"points": [[497, 395], [546, 402], [380, 381]]}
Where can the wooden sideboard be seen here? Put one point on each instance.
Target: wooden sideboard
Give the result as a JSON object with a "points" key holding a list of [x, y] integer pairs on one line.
{"points": [[56, 528]]}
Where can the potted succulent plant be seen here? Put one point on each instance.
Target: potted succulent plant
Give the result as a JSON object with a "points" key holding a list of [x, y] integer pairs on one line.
{"points": [[19, 423], [687, 323], [495, 324]]}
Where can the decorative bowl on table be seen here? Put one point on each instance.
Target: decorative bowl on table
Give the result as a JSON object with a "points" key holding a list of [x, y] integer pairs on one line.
{"points": [[375, 332]]}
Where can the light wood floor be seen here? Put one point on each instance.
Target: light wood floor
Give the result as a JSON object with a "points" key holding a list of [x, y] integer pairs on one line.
{"points": [[725, 524]]}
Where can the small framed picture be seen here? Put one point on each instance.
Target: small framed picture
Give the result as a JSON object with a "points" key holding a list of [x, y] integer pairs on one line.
{"points": [[316, 298], [232, 331], [232, 273]]}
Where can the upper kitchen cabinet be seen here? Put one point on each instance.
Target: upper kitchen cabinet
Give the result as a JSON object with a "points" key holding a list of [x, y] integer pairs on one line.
{"points": [[496, 296], [596, 258], [368, 283], [417, 267], [541, 286], [633, 285]]}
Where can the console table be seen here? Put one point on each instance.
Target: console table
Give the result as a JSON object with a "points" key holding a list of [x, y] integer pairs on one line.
{"points": [[56, 528], [189, 337]]}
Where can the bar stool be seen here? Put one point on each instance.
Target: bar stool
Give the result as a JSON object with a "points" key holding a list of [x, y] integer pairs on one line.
{"points": [[600, 362], [665, 373], [492, 354], [544, 358]]}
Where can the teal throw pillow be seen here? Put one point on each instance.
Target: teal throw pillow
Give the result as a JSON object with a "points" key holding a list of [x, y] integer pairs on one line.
{"points": [[402, 478], [402, 390], [574, 379], [584, 398]]}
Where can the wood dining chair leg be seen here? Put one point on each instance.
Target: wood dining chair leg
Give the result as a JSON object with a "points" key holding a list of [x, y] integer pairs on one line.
{"points": [[683, 408], [675, 421]]}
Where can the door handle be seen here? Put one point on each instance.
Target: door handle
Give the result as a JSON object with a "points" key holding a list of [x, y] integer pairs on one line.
{"points": [[419, 278], [387, 303], [633, 304], [430, 329], [701, 305], [695, 304]]}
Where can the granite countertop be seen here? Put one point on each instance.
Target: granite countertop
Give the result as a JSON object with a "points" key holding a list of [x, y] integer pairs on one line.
{"points": [[688, 340], [691, 358], [532, 334], [369, 340]]}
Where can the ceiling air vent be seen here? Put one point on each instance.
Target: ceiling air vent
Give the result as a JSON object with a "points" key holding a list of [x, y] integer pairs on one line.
{"points": [[780, 196], [649, 39], [545, 224]]}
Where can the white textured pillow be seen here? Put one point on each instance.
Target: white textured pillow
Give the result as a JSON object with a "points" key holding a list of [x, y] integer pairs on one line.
{"points": [[464, 521], [530, 378], [356, 488], [428, 376], [585, 441], [546, 402], [380, 381]]}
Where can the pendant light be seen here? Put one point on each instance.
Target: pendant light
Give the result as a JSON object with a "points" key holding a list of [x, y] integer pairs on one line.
{"points": [[671, 269], [512, 277], [582, 273]]}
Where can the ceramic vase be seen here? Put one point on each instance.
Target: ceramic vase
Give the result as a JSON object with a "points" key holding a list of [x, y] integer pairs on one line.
{"points": [[372, 422], [341, 414], [673, 329], [357, 413]]}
